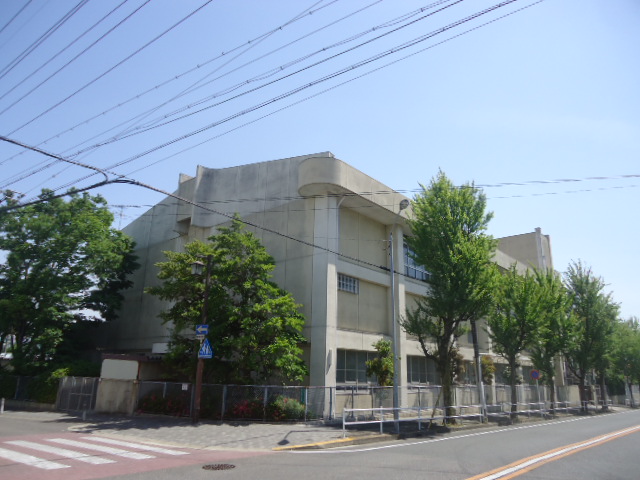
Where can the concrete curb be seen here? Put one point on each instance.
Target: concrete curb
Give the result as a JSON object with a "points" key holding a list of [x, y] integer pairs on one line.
{"points": [[340, 442]]}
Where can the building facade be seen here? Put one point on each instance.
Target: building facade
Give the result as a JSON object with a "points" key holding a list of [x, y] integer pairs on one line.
{"points": [[333, 232]]}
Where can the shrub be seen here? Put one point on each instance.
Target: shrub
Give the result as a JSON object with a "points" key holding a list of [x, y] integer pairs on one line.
{"points": [[284, 408], [248, 409], [8, 385], [176, 405]]}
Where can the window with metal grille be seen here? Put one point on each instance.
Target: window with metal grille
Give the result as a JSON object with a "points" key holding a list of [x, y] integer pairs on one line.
{"points": [[348, 284]]}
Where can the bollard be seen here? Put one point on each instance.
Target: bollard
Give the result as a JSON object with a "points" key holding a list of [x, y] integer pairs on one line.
{"points": [[2, 405]]}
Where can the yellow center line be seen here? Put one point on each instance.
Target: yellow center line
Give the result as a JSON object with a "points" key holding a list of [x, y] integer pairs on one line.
{"points": [[524, 465]]}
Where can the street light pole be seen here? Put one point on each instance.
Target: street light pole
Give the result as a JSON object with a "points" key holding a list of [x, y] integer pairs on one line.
{"points": [[394, 324], [394, 337], [197, 270], [476, 355]]}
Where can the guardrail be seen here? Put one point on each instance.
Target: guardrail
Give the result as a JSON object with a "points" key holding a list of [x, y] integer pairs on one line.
{"points": [[421, 415]]}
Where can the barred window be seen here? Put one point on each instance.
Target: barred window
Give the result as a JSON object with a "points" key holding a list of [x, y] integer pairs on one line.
{"points": [[348, 284]]}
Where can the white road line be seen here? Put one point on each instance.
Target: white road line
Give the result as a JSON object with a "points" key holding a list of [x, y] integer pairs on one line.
{"points": [[100, 448], [558, 453], [347, 450], [139, 446], [30, 460], [62, 452]]}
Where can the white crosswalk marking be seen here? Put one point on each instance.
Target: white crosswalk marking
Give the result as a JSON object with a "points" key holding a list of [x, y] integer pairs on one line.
{"points": [[30, 460], [62, 452], [101, 448], [138, 446]]}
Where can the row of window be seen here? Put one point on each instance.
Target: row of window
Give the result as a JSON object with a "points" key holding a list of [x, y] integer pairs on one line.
{"points": [[411, 269], [351, 367]]}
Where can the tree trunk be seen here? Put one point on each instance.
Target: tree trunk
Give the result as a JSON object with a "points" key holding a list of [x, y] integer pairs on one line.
{"points": [[603, 394], [552, 395], [447, 394], [514, 393], [444, 369], [631, 399], [583, 395]]}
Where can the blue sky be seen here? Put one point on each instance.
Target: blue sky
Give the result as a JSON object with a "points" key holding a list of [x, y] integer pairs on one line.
{"points": [[540, 107]]}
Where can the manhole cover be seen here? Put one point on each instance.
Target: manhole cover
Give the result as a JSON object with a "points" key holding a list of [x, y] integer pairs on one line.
{"points": [[219, 466]]}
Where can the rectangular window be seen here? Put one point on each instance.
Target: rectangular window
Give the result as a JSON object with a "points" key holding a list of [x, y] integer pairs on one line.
{"points": [[411, 268], [351, 367], [348, 284], [422, 371]]}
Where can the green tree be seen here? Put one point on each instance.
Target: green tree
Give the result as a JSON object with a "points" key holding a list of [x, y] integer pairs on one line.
{"points": [[255, 327], [381, 366], [596, 314], [514, 320], [626, 354], [63, 264], [448, 238], [555, 328]]}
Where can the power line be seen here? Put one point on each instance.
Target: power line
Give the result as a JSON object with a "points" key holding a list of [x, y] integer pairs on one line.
{"points": [[289, 64], [306, 86], [15, 16], [172, 195], [335, 86], [244, 112], [59, 53], [113, 67], [253, 41], [301, 70], [25, 53]]}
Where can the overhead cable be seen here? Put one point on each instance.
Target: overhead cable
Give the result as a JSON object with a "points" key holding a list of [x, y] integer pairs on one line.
{"points": [[127, 58]]}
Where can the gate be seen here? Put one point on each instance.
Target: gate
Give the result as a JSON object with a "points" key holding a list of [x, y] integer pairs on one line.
{"points": [[77, 393]]}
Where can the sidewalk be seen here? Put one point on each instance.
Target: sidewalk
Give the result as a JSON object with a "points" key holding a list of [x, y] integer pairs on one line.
{"points": [[213, 435], [180, 432]]}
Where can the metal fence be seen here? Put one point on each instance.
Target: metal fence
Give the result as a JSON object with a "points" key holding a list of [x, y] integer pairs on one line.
{"points": [[236, 402], [77, 393]]}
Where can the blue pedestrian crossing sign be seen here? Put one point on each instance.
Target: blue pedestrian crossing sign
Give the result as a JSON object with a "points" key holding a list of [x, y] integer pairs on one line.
{"points": [[205, 350]]}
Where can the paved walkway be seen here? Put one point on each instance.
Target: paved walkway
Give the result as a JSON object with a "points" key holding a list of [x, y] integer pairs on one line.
{"points": [[180, 432], [214, 435]]}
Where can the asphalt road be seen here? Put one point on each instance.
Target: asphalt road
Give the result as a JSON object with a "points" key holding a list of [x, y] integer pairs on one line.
{"points": [[461, 456], [554, 449]]}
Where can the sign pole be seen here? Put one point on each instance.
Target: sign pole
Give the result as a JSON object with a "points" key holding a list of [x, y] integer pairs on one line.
{"points": [[196, 406], [202, 331]]}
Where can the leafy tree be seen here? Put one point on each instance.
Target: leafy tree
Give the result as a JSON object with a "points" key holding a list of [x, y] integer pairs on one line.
{"points": [[64, 264], [381, 367], [488, 369], [449, 240], [555, 327], [255, 327], [514, 320], [626, 353], [596, 314]]}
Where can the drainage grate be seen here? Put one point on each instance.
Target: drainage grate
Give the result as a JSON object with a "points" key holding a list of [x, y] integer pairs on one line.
{"points": [[219, 466]]}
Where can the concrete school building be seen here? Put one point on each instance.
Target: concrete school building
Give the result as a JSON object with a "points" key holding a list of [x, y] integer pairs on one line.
{"points": [[329, 228]]}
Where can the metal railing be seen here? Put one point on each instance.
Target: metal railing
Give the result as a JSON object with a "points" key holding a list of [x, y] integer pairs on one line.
{"points": [[418, 415], [464, 413]]}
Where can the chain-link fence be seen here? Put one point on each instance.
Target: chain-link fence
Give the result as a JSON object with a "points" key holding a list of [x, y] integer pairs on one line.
{"points": [[283, 403], [235, 402]]}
